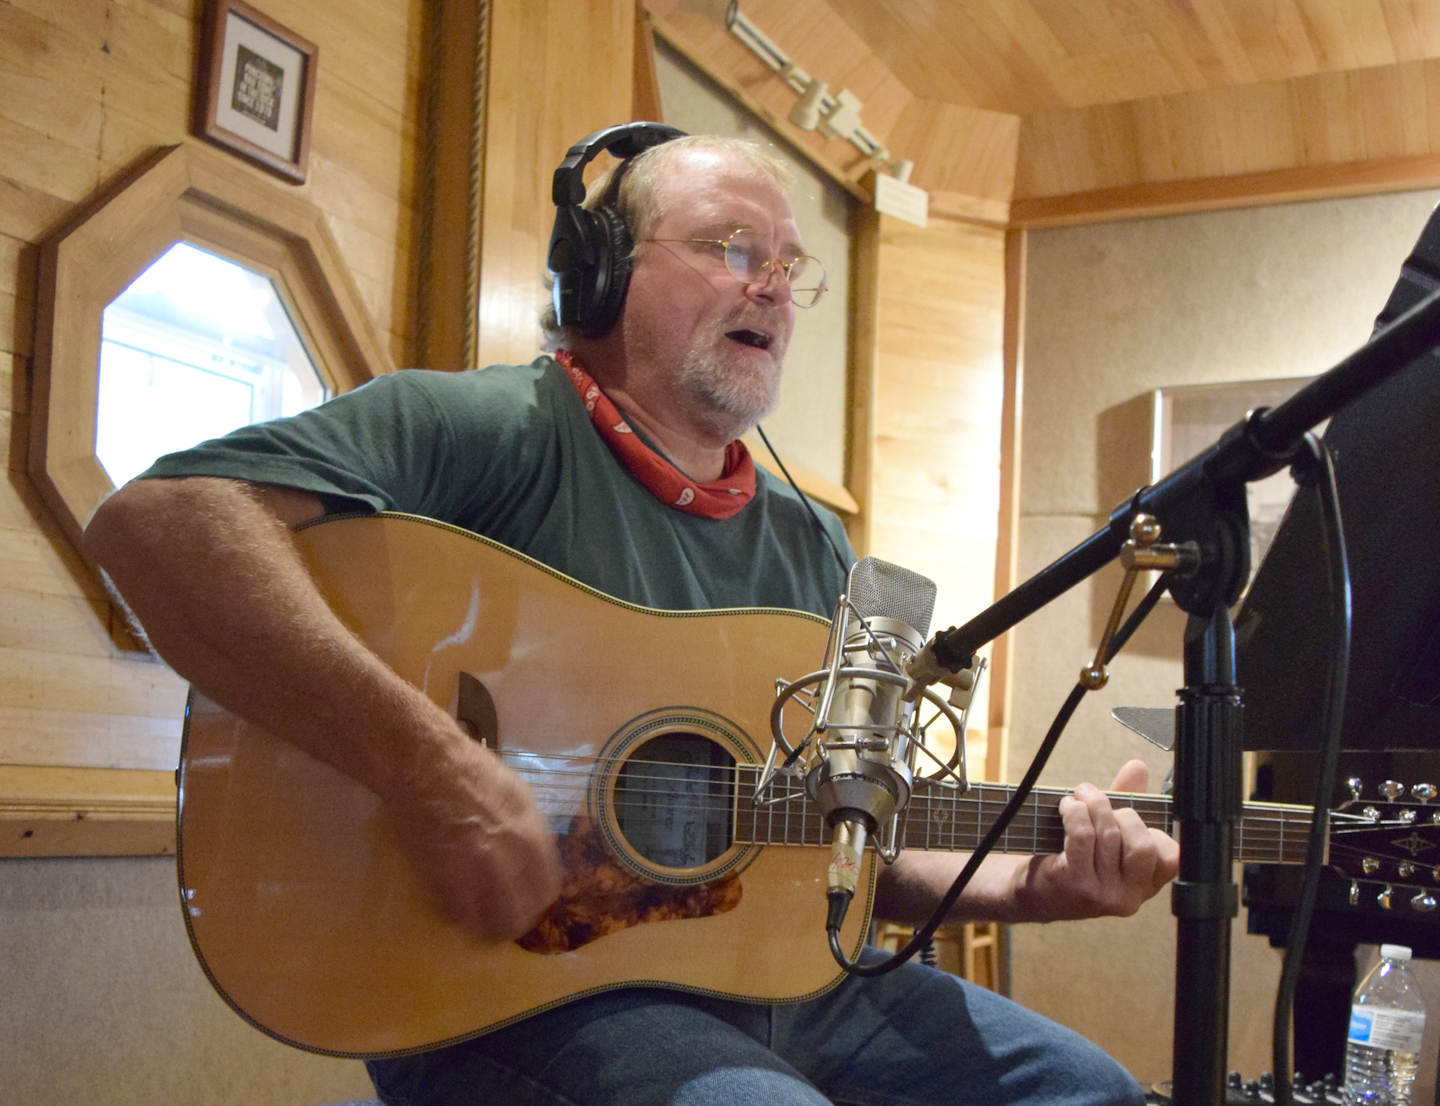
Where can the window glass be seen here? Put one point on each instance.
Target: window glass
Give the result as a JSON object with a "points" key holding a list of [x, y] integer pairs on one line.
{"points": [[195, 347]]}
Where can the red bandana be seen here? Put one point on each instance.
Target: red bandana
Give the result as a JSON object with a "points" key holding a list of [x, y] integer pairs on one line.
{"points": [[717, 499]]}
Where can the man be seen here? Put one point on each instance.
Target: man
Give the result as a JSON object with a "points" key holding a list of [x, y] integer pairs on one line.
{"points": [[579, 467]]}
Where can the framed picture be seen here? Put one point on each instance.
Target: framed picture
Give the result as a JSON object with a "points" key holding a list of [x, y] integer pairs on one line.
{"points": [[1190, 418], [258, 85]]}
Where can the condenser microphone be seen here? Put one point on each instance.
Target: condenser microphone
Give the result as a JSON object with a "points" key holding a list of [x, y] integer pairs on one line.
{"points": [[861, 775]]}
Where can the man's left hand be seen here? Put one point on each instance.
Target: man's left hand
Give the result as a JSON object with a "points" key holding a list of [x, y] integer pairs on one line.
{"points": [[1112, 861]]}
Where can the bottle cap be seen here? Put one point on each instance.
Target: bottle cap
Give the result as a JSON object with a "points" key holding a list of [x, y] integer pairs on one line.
{"points": [[1394, 952]]}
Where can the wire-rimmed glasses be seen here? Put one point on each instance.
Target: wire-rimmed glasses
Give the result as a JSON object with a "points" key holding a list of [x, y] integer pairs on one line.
{"points": [[749, 259]]}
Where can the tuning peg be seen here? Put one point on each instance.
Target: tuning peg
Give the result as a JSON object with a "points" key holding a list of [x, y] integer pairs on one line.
{"points": [[1372, 814], [1353, 783], [1407, 816], [1424, 791], [1424, 901], [1405, 869], [1354, 893], [1383, 899], [1369, 865], [1392, 789]]}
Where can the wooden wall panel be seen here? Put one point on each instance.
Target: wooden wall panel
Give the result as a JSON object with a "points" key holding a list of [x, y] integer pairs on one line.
{"points": [[939, 384], [540, 100], [89, 88]]}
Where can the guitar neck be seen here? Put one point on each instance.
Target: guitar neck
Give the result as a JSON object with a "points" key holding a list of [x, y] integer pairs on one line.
{"points": [[941, 819]]}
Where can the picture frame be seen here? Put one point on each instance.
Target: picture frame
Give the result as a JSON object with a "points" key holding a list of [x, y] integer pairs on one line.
{"points": [[1187, 419], [257, 89]]}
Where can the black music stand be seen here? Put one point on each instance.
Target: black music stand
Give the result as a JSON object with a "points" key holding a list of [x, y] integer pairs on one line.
{"points": [[1386, 446], [1387, 464]]}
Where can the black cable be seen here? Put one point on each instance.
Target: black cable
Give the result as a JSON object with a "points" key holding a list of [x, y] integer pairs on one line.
{"points": [[1002, 823], [1317, 467], [805, 499]]}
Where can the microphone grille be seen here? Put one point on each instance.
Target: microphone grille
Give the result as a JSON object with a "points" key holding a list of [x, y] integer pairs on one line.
{"points": [[879, 589]]}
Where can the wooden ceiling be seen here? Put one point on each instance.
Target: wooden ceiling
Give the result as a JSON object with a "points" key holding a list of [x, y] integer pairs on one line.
{"points": [[1029, 56], [1041, 111]]}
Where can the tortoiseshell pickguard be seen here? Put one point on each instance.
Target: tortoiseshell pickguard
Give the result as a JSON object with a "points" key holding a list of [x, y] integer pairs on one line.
{"points": [[601, 896]]}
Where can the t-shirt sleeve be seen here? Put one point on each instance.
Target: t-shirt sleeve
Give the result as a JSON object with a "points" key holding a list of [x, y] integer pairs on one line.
{"points": [[390, 445]]}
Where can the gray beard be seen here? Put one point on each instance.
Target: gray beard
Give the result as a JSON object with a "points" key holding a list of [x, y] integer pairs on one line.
{"points": [[735, 397]]}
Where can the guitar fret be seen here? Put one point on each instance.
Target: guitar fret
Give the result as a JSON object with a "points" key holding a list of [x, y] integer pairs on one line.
{"points": [[1034, 822]]}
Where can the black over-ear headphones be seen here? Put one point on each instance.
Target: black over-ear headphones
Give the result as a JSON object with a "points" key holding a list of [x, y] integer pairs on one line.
{"points": [[590, 250]]}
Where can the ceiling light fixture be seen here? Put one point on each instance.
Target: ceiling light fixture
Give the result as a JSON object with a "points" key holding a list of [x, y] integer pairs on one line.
{"points": [[806, 112], [836, 116]]}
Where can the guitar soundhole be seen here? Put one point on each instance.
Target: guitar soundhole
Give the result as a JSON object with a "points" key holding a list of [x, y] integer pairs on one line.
{"points": [[673, 800]]}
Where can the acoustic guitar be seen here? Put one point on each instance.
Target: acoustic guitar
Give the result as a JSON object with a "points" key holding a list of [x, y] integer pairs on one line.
{"points": [[641, 732]]}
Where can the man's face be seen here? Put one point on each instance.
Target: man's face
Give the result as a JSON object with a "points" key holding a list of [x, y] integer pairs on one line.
{"points": [[713, 344]]}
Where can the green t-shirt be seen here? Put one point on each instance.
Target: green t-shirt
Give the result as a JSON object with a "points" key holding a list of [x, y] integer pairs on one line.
{"points": [[509, 452]]}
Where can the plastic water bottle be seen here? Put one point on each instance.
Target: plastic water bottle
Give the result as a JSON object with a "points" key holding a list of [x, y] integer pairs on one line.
{"points": [[1387, 1022]]}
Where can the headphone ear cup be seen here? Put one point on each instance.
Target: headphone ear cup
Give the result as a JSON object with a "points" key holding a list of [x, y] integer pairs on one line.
{"points": [[604, 294]]}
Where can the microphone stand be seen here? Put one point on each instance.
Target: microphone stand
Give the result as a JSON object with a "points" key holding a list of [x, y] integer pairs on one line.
{"points": [[1202, 504]]}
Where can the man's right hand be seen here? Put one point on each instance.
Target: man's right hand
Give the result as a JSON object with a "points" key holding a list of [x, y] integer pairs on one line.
{"points": [[471, 828]]}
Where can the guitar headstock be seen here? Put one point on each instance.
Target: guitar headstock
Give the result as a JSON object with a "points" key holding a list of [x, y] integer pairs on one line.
{"points": [[1386, 846]]}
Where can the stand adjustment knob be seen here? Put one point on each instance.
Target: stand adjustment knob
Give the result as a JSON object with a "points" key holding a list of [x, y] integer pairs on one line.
{"points": [[1142, 553]]}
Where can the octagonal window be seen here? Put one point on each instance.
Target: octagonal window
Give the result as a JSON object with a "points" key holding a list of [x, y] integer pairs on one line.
{"points": [[195, 347]]}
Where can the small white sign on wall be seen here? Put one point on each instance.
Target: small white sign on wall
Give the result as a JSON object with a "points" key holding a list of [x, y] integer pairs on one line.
{"points": [[904, 201]]}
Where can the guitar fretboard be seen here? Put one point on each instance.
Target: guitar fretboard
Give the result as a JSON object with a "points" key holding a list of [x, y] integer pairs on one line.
{"points": [[939, 818]]}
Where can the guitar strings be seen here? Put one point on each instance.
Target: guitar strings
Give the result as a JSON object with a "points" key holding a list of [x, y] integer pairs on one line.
{"points": [[699, 795], [1263, 824], [716, 775]]}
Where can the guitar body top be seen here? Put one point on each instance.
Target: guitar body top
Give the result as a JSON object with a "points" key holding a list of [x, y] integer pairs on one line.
{"points": [[312, 925]]}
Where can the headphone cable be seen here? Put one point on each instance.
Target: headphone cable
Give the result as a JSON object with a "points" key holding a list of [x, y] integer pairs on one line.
{"points": [[805, 499]]}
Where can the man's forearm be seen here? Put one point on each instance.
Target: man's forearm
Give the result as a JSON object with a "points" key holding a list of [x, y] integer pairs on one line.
{"points": [[209, 570], [909, 890]]}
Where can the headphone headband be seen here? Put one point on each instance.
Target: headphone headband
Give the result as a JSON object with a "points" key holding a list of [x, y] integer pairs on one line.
{"points": [[626, 140]]}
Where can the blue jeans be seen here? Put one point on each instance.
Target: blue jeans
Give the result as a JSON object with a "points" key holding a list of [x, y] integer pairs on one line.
{"points": [[915, 1037]]}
